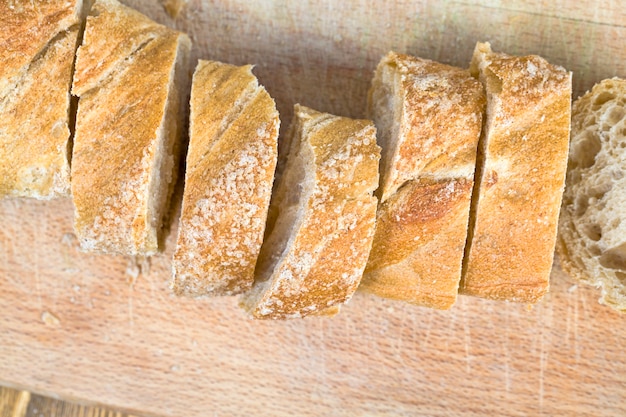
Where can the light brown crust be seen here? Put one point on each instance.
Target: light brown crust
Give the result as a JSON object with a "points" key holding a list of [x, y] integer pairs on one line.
{"points": [[418, 246], [427, 181], [37, 45], [127, 131], [441, 110], [229, 176], [524, 156], [322, 262], [27, 29]]}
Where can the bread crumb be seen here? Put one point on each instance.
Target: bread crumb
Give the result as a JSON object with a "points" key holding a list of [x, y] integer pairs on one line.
{"points": [[173, 7], [69, 239], [136, 266], [50, 319], [133, 271]]}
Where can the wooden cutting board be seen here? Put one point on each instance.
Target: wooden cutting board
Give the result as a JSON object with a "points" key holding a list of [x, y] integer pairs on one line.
{"points": [[107, 330]]}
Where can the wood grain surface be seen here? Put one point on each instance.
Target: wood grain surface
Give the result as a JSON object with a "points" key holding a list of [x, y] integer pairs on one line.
{"points": [[107, 329]]}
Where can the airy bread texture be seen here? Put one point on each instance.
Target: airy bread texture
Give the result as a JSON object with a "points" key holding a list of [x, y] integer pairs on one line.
{"points": [[592, 231], [130, 77], [39, 40], [429, 117], [321, 219], [228, 181], [520, 176]]}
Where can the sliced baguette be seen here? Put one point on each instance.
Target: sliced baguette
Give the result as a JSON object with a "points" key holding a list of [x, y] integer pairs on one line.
{"points": [[520, 176], [428, 116], [592, 230], [321, 220], [228, 181], [130, 77], [39, 41]]}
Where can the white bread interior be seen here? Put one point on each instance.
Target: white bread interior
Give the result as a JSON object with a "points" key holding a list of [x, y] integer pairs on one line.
{"points": [[592, 226]]}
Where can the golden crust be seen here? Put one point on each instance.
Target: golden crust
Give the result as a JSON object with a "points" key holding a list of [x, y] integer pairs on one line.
{"points": [[124, 154], [229, 176], [323, 260], [418, 246], [27, 28], [38, 43], [114, 41], [427, 182], [524, 156], [440, 110]]}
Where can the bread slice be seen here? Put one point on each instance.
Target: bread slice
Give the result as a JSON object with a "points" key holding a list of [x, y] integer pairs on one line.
{"points": [[321, 220], [39, 40], [130, 77], [592, 230], [228, 181], [520, 176], [429, 118]]}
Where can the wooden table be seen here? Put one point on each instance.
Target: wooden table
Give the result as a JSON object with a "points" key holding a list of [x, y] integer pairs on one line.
{"points": [[107, 330]]}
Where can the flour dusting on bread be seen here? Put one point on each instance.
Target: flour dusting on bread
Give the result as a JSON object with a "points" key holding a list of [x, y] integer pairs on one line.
{"points": [[520, 176], [230, 170], [130, 76], [429, 120], [321, 221], [39, 40]]}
